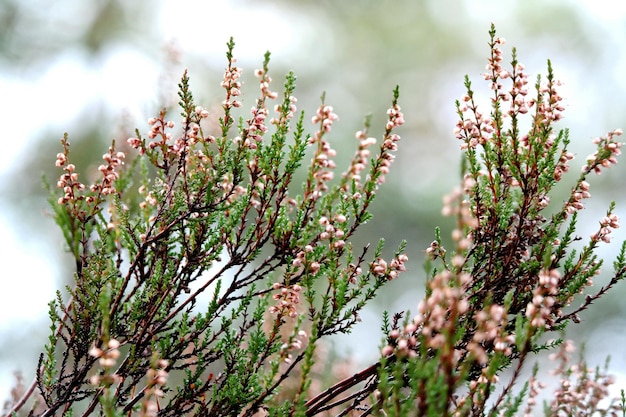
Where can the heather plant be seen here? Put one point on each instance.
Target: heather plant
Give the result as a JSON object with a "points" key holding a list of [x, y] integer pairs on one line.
{"points": [[207, 279]]}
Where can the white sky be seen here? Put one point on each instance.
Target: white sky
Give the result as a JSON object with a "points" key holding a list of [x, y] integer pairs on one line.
{"points": [[127, 79]]}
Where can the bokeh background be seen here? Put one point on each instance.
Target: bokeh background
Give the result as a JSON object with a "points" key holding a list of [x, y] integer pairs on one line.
{"points": [[99, 68]]}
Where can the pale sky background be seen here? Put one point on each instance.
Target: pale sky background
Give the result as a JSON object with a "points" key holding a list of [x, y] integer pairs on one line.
{"points": [[126, 79]]}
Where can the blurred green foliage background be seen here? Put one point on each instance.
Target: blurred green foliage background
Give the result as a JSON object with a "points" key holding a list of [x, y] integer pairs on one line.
{"points": [[99, 68]]}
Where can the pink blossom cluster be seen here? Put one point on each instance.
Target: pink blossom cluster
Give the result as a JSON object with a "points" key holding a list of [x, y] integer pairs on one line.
{"points": [[107, 360], [72, 188], [578, 195], [436, 312], [539, 310], [606, 155], [386, 157], [68, 181], [333, 230], [265, 84], [473, 127], [232, 85], [256, 127], [158, 128], [494, 68], [435, 250], [256, 124], [390, 144], [232, 192], [301, 260], [149, 200], [563, 165], [446, 301], [474, 130], [360, 160], [284, 117], [519, 91], [326, 117], [193, 130], [295, 343], [288, 298], [607, 224], [581, 391], [322, 162], [157, 378], [534, 388], [490, 329], [550, 109], [391, 270], [112, 160], [455, 205], [396, 119]]}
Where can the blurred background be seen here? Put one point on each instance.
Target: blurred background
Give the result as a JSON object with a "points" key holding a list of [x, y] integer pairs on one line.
{"points": [[99, 68]]}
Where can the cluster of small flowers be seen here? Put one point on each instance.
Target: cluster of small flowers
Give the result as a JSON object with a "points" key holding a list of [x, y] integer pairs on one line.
{"points": [[540, 309], [444, 301], [265, 84], [390, 270], [159, 124], [404, 343], [290, 112], [534, 388], [113, 160], [284, 117], [107, 360], [434, 313], [607, 224], [390, 144], [519, 92], [580, 193], [435, 250], [157, 377], [473, 130], [455, 205], [136, 143], [295, 343], [549, 110], [158, 129], [300, 260], [580, 390], [194, 128], [490, 329], [333, 230], [232, 85], [552, 109], [256, 127], [606, 155], [149, 201], [68, 181], [494, 67], [396, 119], [563, 165], [322, 161], [478, 386], [361, 158], [288, 299], [353, 272], [232, 192], [326, 117]]}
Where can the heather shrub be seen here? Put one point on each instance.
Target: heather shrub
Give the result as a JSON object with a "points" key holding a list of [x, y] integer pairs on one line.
{"points": [[208, 279]]}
